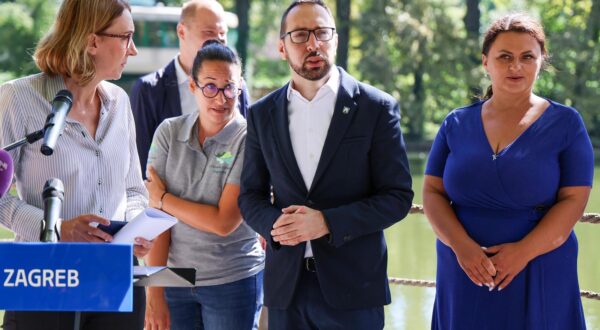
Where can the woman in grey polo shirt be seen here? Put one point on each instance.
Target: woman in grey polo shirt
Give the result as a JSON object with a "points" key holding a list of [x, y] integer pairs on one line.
{"points": [[195, 163]]}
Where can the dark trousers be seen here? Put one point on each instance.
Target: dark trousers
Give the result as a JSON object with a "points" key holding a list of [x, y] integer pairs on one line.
{"points": [[309, 310], [89, 320]]}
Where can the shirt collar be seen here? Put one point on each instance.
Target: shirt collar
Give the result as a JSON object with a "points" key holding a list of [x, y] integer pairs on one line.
{"points": [[182, 76], [332, 84], [56, 83], [225, 136]]}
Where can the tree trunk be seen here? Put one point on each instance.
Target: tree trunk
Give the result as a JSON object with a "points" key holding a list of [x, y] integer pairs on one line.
{"points": [[242, 9], [591, 34], [343, 30], [594, 21], [472, 18], [472, 24], [416, 125]]}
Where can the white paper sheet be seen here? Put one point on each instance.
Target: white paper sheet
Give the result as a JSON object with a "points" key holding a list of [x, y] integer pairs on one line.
{"points": [[148, 224], [146, 270]]}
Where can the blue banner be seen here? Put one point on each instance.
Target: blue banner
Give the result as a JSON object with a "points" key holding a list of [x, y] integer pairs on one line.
{"points": [[66, 277]]}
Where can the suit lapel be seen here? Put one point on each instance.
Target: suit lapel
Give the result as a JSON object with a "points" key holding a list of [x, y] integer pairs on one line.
{"points": [[281, 129], [171, 90], [345, 110]]}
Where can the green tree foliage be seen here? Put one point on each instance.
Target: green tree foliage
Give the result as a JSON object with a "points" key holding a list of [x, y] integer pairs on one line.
{"points": [[572, 29], [265, 70], [172, 2], [16, 38], [22, 23], [426, 53], [416, 51]]}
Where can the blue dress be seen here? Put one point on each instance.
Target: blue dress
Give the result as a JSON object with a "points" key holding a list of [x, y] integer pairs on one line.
{"points": [[500, 198]]}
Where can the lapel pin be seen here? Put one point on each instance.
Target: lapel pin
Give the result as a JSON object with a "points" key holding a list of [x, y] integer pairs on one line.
{"points": [[346, 110]]}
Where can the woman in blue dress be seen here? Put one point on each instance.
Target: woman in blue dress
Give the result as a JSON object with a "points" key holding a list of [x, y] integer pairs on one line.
{"points": [[506, 180]]}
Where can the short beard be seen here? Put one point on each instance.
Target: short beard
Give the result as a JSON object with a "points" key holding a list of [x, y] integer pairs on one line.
{"points": [[312, 74]]}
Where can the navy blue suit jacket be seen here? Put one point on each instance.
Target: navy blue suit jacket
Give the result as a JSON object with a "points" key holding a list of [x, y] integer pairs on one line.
{"points": [[362, 185], [154, 98]]}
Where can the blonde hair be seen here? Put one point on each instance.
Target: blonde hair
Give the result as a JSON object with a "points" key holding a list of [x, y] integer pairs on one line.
{"points": [[62, 51]]}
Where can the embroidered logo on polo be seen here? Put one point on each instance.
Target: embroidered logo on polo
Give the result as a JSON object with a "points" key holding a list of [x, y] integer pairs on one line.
{"points": [[224, 158], [151, 154]]}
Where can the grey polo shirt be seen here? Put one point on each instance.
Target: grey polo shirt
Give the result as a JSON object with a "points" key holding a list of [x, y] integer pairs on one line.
{"points": [[199, 173]]}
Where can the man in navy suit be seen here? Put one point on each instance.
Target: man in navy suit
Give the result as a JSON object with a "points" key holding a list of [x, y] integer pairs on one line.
{"points": [[325, 172], [165, 93]]}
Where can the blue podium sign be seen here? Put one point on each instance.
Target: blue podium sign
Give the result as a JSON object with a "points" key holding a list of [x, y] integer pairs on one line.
{"points": [[66, 277]]}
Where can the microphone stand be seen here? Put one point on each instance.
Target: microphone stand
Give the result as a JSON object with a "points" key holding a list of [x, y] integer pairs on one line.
{"points": [[46, 238], [29, 138]]}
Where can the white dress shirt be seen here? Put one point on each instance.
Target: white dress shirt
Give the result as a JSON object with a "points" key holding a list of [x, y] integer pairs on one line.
{"points": [[186, 98], [308, 124], [101, 173]]}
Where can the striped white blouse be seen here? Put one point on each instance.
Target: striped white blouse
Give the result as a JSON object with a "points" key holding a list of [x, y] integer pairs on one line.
{"points": [[101, 175]]}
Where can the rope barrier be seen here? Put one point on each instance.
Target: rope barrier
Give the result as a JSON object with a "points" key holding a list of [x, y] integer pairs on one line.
{"points": [[590, 295], [431, 284], [416, 209], [412, 282], [593, 218]]}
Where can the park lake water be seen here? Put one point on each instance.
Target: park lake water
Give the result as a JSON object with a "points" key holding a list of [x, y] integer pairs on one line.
{"points": [[411, 245]]}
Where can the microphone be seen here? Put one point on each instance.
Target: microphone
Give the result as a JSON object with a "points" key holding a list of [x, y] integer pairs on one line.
{"points": [[55, 122], [53, 195], [6, 172]]}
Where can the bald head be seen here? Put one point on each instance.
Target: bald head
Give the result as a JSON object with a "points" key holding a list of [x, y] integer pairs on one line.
{"points": [[201, 20], [197, 8]]}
